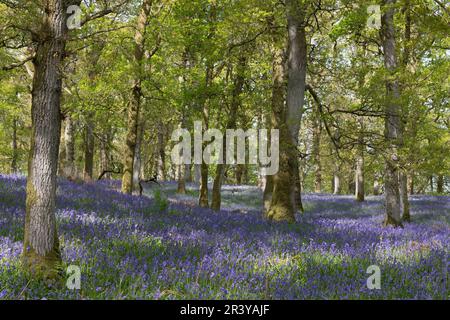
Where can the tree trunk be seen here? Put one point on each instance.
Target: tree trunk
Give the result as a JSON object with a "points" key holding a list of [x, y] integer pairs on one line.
{"points": [[217, 185], [404, 202], [392, 118], [282, 205], [295, 99], [351, 186], [15, 154], [298, 187], [197, 173], [238, 86], [359, 178], [317, 130], [376, 187], [203, 200], [105, 153], [403, 181], [135, 103], [69, 140], [440, 184], [359, 173], [41, 254], [411, 186], [336, 183], [161, 153], [62, 152], [138, 157], [183, 170], [89, 144], [267, 195], [188, 173], [181, 176], [238, 172]]}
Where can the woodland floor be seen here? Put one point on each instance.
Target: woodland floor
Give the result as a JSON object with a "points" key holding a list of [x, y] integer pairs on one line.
{"points": [[162, 246]]}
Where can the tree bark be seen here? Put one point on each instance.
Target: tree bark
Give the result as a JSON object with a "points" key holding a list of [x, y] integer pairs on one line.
{"points": [[267, 195], [337, 183], [403, 181], [89, 144], [359, 178], [69, 140], [392, 118], [359, 173], [105, 153], [183, 170], [161, 153], [188, 173], [317, 131], [287, 120], [197, 173], [238, 86], [135, 103], [137, 156], [203, 199], [15, 154], [440, 184], [282, 205], [404, 202], [238, 173], [181, 173], [41, 253], [411, 184], [295, 99], [181, 177]]}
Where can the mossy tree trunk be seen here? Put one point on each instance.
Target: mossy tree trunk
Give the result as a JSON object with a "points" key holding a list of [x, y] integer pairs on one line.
{"points": [[282, 203], [287, 119], [41, 253], [135, 103]]}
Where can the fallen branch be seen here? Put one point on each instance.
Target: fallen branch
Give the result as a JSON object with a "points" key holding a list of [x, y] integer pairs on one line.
{"points": [[118, 171], [141, 188]]}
